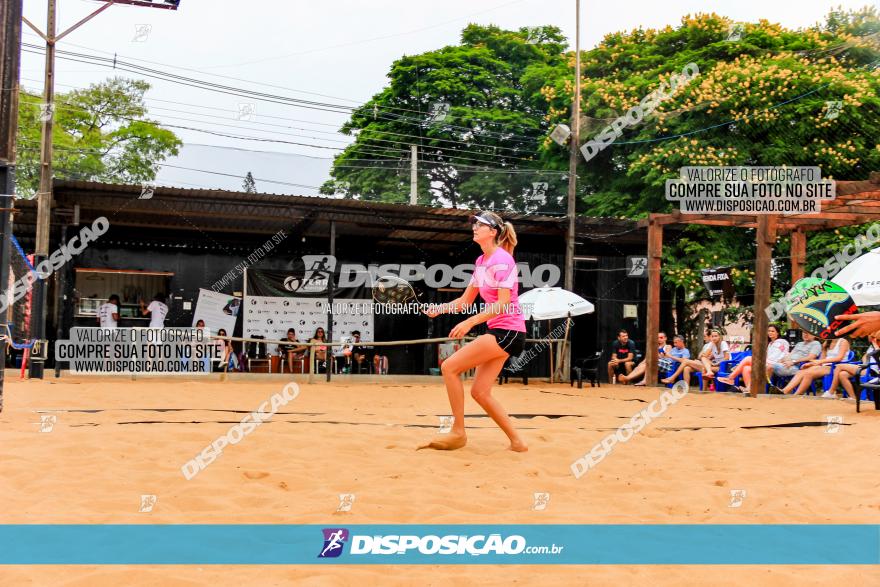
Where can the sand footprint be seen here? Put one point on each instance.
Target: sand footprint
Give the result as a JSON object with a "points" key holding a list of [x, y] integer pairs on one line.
{"points": [[255, 474]]}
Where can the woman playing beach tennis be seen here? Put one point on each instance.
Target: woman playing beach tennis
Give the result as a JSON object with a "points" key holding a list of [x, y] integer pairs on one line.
{"points": [[495, 279]]}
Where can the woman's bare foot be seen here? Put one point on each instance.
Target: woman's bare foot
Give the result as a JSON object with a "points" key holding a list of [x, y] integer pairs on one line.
{"points": [[518, 446], [726, 380], [449, 441], [666, 380]]}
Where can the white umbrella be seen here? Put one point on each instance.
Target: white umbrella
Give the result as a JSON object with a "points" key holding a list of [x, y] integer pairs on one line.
{"points": [[861, 279], [547, 303]]}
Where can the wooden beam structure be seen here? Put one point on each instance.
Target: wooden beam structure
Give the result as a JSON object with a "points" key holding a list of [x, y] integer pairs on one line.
{"points": [[856, 202], [655, 253], [766, 240]]}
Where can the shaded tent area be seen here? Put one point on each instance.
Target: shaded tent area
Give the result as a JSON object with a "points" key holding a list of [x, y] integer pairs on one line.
{"points": [[180, 240], [857, 202]]}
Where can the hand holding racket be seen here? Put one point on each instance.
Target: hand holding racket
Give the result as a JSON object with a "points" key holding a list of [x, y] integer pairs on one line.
{"points": [[820, 306], [861, 325]]}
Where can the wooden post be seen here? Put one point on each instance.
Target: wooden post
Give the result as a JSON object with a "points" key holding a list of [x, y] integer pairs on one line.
{"points": [[798, 254], [766, 239], [655, 252]]}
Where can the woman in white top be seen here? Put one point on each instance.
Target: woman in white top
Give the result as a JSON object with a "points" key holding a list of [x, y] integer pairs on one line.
{"points": [[844, 373], [777, 348], [811, 370], [715, 351]]}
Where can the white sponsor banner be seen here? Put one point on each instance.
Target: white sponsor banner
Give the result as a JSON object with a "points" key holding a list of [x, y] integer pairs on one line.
{"points": [[218, 310], [271, 316]]}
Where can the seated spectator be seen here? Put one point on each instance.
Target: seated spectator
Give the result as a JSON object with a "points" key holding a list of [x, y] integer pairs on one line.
{"points": [[677, 354], [843, 374], [639, 371], [228, 357], [715, 351], [293, 350], [320, 352], [623, 354], [817, 368], [777, 349], [805, 351], [358, 353]]}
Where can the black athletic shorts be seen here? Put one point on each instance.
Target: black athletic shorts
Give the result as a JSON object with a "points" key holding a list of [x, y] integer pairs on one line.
{"points": [[512, 341]]}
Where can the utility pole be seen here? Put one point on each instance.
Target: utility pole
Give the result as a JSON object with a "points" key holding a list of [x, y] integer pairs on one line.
{"points": [[44, 196], [574, 152], [10, 58], [414, 176]]}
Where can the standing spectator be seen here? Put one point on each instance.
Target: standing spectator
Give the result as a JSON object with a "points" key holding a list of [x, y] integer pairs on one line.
{"points": [[108, 314], [157, 311], [623, 354]]}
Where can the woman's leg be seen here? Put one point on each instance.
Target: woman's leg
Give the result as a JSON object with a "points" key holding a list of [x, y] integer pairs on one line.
{"points": [[842, 375], [795, 381], [747, 376], [477, 352], [747, 362], [707, 367], [481, 391], [811, 375]]}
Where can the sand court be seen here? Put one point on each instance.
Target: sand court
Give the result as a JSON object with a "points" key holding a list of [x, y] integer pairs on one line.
{"points": [[106, 443]]}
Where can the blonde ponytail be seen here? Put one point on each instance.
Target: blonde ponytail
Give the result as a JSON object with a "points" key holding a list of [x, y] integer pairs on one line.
{"points": [[506, 237]]}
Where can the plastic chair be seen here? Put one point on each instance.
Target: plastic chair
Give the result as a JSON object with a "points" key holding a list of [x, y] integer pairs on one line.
{"points": [[827, 379], [865, 373], [588, 366]]}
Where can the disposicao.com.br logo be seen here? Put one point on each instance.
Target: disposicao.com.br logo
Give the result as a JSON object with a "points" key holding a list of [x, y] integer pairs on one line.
{"points": [[430, 544]]}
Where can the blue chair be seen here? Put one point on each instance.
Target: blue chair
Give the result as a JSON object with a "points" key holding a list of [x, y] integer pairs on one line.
{"points": [[725, 368], [866, 373]]}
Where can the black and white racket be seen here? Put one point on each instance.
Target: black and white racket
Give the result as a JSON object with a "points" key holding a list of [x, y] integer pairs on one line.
{"points": [[390, 289]]}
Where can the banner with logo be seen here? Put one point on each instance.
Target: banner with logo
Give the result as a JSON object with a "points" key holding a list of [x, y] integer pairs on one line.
{"points": [[439, 544], [271, 316], [311, 278], [218, 310], [718, 282]]}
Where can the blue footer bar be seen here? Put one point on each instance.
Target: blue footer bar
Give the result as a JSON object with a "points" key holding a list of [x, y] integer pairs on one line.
{"points": [[260, 544]]}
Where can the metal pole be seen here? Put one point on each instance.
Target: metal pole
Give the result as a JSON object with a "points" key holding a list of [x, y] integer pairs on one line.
{"points": [[44, 197], [414, 176], [331, 360]]}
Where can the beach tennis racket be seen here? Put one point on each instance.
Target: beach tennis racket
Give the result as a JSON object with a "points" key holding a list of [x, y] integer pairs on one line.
{"points": [[390, 289], [815, 305]]}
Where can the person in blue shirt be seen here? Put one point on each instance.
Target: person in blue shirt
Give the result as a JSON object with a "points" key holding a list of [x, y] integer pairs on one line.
{"points": [[678, 354]]}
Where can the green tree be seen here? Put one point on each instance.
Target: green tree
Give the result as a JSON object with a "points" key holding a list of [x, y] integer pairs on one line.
{"points": [[249, 185], [761, 100], [472, 111], [101, 133]]}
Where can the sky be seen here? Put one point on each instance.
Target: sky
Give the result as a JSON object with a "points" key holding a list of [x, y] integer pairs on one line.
{"points": [[333, 51]]}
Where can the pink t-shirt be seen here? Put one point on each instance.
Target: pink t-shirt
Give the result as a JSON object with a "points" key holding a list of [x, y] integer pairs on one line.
{"points": [[499, 271]]}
